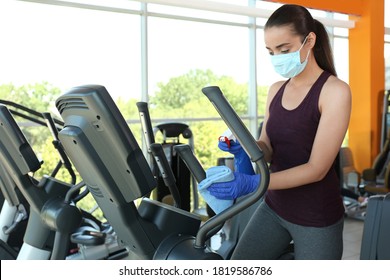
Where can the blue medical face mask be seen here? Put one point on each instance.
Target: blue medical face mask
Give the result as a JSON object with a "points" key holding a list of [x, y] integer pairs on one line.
{"points": [[289, 65]]}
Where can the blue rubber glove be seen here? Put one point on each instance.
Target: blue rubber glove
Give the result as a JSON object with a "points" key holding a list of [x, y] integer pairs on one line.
{"points": [[242, 162], [241, 185]]}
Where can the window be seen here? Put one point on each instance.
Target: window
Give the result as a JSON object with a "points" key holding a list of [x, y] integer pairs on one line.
{"points": [[69, 46], [177, 47]]}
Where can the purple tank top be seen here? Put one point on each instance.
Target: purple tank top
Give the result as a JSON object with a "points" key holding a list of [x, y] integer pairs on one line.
{"points": [[292, 133]]}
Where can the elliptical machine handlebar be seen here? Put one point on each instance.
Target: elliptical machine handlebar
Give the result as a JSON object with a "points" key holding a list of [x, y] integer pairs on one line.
{"points": [[166, 172], [215, 95], [196, 169], [64, 160], [146, 124], [191, 161], [233, 121]]}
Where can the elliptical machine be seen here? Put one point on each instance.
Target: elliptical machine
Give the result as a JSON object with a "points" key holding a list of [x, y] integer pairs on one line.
{"points": [[100, 144], [54, 221], [186, 247]]}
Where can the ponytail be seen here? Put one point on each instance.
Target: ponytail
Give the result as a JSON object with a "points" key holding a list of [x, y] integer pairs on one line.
{"points": [[322, 50]]}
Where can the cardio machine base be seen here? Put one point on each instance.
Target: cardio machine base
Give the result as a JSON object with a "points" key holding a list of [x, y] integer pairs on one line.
{"points": [[181, 247]]}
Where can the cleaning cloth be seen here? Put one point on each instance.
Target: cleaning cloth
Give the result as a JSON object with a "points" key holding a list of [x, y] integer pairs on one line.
{"points": [[216, 174]]}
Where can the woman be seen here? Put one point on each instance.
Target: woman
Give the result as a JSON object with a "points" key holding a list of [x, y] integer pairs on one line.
{"points": [[305, 123]]}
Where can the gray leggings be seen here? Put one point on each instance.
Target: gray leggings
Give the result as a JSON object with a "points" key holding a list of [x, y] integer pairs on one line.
{"points": [[267, 236]]}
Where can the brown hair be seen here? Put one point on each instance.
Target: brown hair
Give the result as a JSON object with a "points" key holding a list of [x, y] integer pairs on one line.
{"points": [[302, 23]]}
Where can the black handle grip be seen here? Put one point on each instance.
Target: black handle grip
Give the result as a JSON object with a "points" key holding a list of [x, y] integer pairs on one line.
{"points": [[58, 146], [51, 125], [191, 161], [146, 123], [166, 171]]}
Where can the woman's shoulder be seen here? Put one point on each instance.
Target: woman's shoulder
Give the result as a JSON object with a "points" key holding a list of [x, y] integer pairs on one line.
{"points": [[336, 89], [274, 88], [335, 84]]}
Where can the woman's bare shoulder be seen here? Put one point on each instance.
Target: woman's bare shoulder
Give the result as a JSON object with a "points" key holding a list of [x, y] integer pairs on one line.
{"points": [[335, 85], [273, 89], [336, 90]]}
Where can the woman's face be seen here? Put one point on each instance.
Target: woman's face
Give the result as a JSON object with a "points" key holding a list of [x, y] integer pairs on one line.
{"points": [[281, 40]]}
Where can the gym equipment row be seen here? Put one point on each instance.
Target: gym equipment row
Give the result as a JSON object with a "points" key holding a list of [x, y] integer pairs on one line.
{"points": [[94, 138], [54, 222], [103, 150]]}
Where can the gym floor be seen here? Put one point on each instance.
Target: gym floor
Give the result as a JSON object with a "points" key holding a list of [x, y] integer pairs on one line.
{"points": [[353, 231]]}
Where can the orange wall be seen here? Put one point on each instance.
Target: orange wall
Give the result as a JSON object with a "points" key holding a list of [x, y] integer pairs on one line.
{"points": [[366, 72], [367, 81], [353, 7]]}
